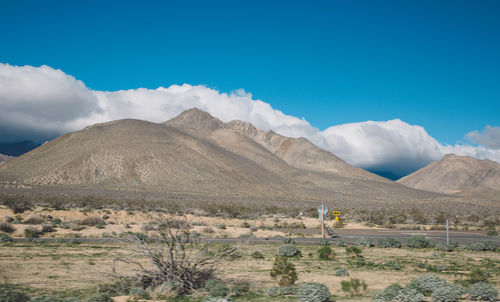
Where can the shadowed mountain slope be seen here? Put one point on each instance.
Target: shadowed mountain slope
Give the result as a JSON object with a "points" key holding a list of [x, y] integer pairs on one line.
{"points": [[462, 175], [198, 154]]}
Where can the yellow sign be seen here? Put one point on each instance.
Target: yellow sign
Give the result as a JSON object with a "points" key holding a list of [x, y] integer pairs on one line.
{"points": [[336, 213], [336, 218]]}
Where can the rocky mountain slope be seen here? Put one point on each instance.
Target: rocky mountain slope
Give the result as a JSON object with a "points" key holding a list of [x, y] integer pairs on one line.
{"points": [[198, 154], [461, 175], [4, 158]]}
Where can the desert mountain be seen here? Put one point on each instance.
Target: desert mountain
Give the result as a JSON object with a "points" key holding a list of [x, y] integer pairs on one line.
{"points": [[4, 158], [198, 154], [460, 175]]}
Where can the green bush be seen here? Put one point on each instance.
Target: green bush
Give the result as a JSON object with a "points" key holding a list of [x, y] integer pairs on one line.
{"points": [[139, 292], [257, 255], [444, 247], [5, 238], [289, 250], [353, 250], [6, 227], [46, 298], [355, 287], [216, 288], [220, 226], [364, 242], [483, 291], [12, 293], [418, 242], [239, 288], [313, 292], [389, 242], [323, 242], [475, 276], [100, 297], [283, 271], [392, 265], [31, 233], [483, 246], [445, 294], [492, 233], [427, 284], [387, 294], [341, 272], [280, 291], [325, 252]]}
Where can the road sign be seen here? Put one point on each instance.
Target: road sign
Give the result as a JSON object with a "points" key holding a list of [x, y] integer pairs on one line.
{"points": [[336, 218], [336, 213]]}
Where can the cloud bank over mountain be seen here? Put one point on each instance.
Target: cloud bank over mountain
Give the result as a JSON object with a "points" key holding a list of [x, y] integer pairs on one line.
{"points": [[40, 103]]}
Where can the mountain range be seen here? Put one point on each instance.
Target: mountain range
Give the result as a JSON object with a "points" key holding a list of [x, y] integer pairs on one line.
{"points": [[197, 154]]}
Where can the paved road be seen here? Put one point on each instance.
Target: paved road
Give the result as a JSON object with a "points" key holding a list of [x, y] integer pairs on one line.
{"points": [[348, 235]]}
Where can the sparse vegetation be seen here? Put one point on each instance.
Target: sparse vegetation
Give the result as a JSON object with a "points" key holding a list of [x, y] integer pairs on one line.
{"points": [[313, 292], [6, 227], [288, 250], [283, 271], [418, 242], [354, 287]]}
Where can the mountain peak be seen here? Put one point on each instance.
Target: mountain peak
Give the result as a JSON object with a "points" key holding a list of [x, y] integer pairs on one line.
{"points": [[196, 120]]}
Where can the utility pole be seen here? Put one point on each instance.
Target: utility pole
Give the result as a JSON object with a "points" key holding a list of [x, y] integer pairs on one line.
{"points": [[447, 233], [323, 220]]}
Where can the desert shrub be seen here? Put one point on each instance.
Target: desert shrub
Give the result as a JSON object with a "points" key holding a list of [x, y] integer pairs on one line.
{"points": [[220, 226], [12, 293], [101, 226], [289, 250], [92, 221], [324, 252], [34, 219], [47, 228], [454, 244], [198, 223], [323, 242], [64, 225], [119, 288], [313, 292], [257, 255], [445, 294], [341, 272], [5, 238], [100, 297], [354, 287], [288, 241], [483, 246], [409, 295], [280, 291], [389, 242], [364, 242], [6, 227], [283, 271], [392, 265], [418, 242], [31, 233], [17, 204], [427, 284], [353, 250], [208, 230], [239, 288], [139, 292], [173, 223], [246, 235], [245, 224], [216, 288], [387, 294], [340, 242], [483, 291], [492, 233], [475, 276], [444, 247], [45, 298]]}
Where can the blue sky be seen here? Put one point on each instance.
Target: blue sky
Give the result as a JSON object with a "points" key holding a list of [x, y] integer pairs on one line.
{"points": [[430, 63]]}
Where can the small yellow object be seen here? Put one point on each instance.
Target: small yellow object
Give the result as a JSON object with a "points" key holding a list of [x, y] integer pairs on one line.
{"points": [[336, 213], [336, 218]]}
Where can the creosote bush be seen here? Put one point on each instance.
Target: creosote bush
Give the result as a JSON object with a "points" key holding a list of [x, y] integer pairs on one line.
{"points": [[341, 272], [389, 242], [354, 287], [418, 242], [283, 271], [483, 246], [6, 227], [257, 255], [289, 250], [216, 288], [5, 238], [444, 247], [280, 291], [483, 291], [313, 292], [325, 252]]}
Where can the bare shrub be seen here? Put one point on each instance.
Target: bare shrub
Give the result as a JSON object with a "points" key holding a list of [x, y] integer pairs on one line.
{"points": [[34, 219], [175, 259], [92, 221], [6, 227]]}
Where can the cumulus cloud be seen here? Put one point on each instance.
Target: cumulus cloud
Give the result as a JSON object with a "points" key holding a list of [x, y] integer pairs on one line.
{"points": [[41, 102], [489, 137]]}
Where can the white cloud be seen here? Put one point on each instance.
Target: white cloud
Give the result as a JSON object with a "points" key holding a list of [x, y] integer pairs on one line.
{"points": [[490, 137], [39, 102]]}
